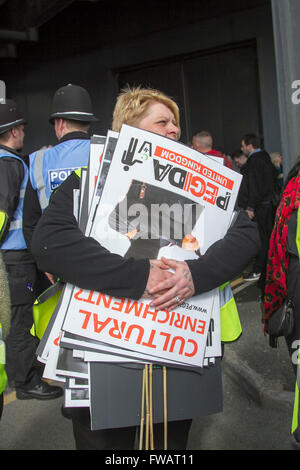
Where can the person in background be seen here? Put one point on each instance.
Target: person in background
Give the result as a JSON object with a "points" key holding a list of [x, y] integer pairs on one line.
{"points": [[256, 197], [22, 367], [203, 142], [283, 273], [239, 159], [71, 117], [276, 158]]}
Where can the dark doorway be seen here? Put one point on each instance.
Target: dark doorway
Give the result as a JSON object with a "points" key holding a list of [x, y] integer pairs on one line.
{"points": [[216, 90]]}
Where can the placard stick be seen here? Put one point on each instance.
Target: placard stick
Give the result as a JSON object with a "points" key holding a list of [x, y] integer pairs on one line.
{"points": [[142, 410], [165, 408], [147, 409], [151, 408]]}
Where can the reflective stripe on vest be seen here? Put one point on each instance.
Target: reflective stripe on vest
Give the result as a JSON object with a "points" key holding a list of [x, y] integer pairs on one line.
{"points": [[3, 376], [231, 328], [297, 386], [39, 180], [49, 167], [3, 223], [15, 239], [296, 402]]}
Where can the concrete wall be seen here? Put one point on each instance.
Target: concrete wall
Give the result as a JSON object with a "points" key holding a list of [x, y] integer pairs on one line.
{"points": [[286, 18]]}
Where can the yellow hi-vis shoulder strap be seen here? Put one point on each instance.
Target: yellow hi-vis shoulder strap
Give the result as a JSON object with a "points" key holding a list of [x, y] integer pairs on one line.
{"points": [[231, 328], [3, 223], [296, 403], [78, 171], [3, 378], [297, 386]]}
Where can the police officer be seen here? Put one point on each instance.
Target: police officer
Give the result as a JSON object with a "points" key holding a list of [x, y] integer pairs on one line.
{"points": [[21, 270], [71, 116]]}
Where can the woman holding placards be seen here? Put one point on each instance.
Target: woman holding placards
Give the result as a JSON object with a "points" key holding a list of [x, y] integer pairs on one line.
{"points": [[60, 248]]}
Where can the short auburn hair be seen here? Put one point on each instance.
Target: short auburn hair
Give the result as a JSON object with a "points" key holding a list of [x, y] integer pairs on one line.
{"points": [[132, 105]]}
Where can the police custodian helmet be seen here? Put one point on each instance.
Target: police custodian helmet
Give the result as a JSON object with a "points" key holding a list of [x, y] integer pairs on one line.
{"points": [[72, 102], [9, 116]]}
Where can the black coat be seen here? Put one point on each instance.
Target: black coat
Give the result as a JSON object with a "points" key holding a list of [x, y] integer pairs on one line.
{"points": [[60, 248], [259, 179]]}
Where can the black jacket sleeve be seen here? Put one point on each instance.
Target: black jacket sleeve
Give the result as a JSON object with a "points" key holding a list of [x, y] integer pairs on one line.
{"points": [[228, 257], [60, 248], [11, 177], [31, 213]]}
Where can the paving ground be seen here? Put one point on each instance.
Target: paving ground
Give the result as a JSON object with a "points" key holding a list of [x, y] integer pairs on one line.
{"points": [[258, 385]]}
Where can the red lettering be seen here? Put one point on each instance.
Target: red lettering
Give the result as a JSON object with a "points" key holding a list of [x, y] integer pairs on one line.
{"points": [[134, 306], [195, 350], [179, 322], [118, 305], [199, 185], [81, 299], [140, 335], [167, 314], [150, 344], [87, 318], [172, 318], [190, 323], [201, 327], [100, 325], [148, 312], [194, 166], [211, 195], [106, 300], [56, 340], [167, 336], [76, 296], [176, 339], [116, 331]]}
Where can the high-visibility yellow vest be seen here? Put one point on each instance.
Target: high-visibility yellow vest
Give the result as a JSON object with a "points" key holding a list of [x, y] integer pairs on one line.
{"points": [[3, 376], [297, 386], [78, 171], [43, 309], [231, 328]]}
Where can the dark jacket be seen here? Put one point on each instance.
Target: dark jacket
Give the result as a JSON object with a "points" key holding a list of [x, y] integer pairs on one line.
{"points": [[258, 184], [60, 248]]}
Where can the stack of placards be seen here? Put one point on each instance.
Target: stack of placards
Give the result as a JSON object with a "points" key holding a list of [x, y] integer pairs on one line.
{"points": [[142, 196]]}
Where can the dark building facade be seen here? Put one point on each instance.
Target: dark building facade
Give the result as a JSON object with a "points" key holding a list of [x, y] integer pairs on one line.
{"points": [[217, 59]]}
